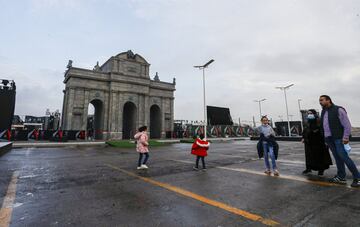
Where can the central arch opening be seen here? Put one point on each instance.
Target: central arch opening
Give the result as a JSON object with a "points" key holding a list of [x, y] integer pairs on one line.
{"points": [[129, 120], [155, 122], [94, 119]]}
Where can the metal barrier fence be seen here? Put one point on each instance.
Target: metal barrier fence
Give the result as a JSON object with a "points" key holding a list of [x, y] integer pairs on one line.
{"points": [[34, 134], [189, 131], [64, 135]]}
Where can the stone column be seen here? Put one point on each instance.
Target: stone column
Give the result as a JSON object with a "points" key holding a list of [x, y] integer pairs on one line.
{"points": [[120, 114], [114, 111], [110, 112], [69, 111], [142, 110], [172, 114], [147, 111], [85, 112], [112, 116], [163, 110], [65, 109]]}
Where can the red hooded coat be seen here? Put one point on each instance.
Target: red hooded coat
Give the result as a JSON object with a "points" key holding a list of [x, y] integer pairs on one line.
{"points": [[200, 147]]}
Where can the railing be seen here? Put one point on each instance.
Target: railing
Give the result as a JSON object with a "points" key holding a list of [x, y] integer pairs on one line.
{"points": [[218, 131]]}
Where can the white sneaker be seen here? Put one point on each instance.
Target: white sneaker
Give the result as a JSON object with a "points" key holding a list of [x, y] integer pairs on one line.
{"points": [[276, 173], [139, 167], [144, 166]]}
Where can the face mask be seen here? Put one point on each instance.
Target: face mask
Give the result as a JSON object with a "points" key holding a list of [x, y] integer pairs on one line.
{"points": [[311, 117]]}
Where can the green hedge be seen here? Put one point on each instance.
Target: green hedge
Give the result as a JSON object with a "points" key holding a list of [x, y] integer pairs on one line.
{"points": [[187, 141], [131, 144], [190, 141]]}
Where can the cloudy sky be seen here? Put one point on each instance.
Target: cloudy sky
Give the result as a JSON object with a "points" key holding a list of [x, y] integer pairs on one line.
{"points": [[257, 45]]}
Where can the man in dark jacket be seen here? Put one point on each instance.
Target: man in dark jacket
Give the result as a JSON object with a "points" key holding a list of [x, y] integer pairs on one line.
{"points": [[336, 128]]}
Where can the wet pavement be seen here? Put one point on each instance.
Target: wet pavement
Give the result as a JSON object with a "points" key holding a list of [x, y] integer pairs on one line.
{"points": [[100, 186]]}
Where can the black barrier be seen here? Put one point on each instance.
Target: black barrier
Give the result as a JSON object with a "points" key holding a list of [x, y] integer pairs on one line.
{"points": [[34, 134], [59, 136], [75, 134], [21, 135], [47, 134], [218, 116], [282, 128], [7, 100], [5, 135], [189, 132], [71, 135], [214, 131], [52, 135], [169, 134]]}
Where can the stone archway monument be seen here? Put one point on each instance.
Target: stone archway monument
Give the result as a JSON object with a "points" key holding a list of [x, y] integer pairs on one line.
{"points": [[123, 95]]}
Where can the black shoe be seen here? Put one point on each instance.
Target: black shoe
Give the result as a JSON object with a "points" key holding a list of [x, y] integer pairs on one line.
{"points": [[321, 172], [338, 180], [355, 183], [306, 171], [195, 168]]}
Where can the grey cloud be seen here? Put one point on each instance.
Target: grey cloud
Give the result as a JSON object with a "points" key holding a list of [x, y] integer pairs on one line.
{"points": [[307, 62], [257, 45]]}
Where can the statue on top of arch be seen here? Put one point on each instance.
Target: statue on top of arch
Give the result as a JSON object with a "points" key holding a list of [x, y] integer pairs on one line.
{"points": [[130, 54], [97, 67]]}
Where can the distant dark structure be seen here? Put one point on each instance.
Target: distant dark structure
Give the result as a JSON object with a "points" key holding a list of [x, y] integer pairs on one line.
{"points": [[219, 116], [17, 120], [281, 128], [49, 122], [7, 100]]}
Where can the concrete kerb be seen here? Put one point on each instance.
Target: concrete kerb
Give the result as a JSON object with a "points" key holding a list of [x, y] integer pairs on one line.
{"points": [[56, 144], [103, 143], [209, 139]]}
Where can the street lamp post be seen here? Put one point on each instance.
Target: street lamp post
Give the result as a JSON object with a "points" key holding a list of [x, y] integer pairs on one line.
{"points": [[286, 104], [291, 117], [202, 67], [301, 118], [259, 101]]}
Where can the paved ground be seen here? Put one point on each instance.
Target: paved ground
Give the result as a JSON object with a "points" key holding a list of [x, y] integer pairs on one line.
{"points": [[99, 186]]}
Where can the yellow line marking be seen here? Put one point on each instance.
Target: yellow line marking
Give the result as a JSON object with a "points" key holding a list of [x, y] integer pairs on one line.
{"points": [[203, 199], [282, 176], [7, 206]]}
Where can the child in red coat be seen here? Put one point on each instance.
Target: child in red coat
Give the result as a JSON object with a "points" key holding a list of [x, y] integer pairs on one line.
{"points": [[199, 148]]}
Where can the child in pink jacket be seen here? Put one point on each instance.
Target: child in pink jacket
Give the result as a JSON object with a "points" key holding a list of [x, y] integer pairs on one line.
{"points": [[142, 146]]}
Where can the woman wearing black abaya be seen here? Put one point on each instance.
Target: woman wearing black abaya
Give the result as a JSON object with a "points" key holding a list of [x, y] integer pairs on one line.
{"points": [[316, 152]]}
